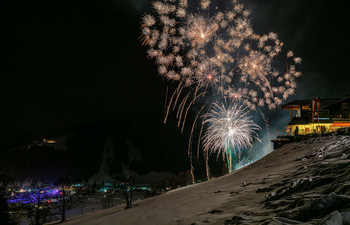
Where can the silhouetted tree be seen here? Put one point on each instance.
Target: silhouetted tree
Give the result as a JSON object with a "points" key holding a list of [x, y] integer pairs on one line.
{"points": [[5, 218], [65, 199], [127, 179], [39, 210]]}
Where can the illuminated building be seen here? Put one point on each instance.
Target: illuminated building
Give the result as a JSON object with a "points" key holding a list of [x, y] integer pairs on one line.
{"points": [[319, 116]]}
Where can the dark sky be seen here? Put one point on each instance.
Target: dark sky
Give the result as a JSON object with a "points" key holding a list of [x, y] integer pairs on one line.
{"points": [[73, 62]]}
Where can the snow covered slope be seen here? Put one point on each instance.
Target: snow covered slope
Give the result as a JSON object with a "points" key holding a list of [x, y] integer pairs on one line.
{"points": [[307, 182]]}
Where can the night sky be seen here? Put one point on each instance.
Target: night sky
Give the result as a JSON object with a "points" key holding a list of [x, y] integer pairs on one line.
{"points": [[68, 63]]}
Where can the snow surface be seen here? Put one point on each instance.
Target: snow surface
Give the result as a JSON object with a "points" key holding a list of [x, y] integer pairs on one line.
{"points": [[300, 183]]}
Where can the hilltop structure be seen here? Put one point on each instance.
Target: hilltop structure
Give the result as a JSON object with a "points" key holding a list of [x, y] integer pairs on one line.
{"points": [[317, 116], [310, 117]]}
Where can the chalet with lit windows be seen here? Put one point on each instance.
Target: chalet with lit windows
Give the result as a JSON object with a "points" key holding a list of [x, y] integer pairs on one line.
{"points": [[317, 116]]}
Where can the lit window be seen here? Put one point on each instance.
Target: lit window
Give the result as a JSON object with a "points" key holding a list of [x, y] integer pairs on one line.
{"points": [[344, 105]]}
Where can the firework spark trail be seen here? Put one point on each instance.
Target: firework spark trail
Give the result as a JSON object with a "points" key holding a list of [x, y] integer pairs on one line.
{"points": [[169, 105], [207, 169], [165, 101], [179, 112], [181, 108], [177, 98], [188, 107], [228, 128], [190, 142], [193, 125], [199, 140]]}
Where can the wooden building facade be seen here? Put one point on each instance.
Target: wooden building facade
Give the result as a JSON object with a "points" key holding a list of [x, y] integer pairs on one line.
{"points": [[320, 116]]}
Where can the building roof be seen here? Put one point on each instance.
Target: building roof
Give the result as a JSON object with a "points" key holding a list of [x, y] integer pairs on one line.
{"points": [[295, 105], [340, 100]]}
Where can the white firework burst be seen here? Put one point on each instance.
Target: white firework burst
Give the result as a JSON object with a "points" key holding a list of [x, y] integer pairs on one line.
{"points": [[228, 128]]}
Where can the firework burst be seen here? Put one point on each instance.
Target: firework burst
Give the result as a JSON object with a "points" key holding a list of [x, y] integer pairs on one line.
{"points": [[200, 30], [186, 43], [229, 130]]}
